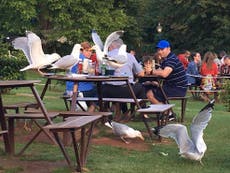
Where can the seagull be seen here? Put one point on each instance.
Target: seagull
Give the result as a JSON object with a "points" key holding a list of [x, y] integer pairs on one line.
{"points": [[124, 131], [32, 48], [190, 148], [68, 61], [102, 50]]}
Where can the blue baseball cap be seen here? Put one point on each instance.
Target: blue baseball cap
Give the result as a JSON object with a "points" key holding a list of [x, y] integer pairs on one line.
{"points": [[163, 44]]}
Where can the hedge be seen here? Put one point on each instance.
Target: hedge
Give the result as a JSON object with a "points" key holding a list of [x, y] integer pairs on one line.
{"points": [[10, 68]]}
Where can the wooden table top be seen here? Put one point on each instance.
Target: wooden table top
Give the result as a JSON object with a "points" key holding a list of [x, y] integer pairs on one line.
{"points": [[156, 108], [73, 122], [86, 78], [17, 83]]}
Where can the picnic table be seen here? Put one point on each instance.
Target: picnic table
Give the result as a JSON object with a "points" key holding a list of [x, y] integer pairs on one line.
{"points": [[9, 136], [85, 78], [155, 109], [81, 147]]}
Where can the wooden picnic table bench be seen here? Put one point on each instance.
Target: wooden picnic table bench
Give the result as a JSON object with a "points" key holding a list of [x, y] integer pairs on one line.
{"points": [[161, 112], [30, 116], [81, 147]]}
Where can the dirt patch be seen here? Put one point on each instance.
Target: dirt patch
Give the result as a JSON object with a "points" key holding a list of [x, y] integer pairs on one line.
{"points": [[48, 166]]}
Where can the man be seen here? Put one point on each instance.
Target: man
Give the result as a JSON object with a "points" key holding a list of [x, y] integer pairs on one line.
{"points": [[130, 68], [183, 57], [225, 68], [193, 69], [173, 73]]}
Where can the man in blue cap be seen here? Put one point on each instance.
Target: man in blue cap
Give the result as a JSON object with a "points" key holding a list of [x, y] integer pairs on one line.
{"points": [[172, 70]]}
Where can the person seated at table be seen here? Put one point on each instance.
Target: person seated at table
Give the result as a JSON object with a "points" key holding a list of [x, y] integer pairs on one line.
{"points": [[225, 68], [130, 68], [149, 83], [183, 57], [209, 70], [192, 71], [173, 73], [88, 89]]}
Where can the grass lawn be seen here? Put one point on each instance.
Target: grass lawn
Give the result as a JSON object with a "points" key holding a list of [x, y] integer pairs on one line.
{"points": [[109, 159]]}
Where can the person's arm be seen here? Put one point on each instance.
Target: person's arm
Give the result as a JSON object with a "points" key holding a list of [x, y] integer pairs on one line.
{"points": [[162, 72]]}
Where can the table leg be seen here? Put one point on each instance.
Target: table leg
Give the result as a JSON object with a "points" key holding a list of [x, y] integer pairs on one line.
{"points": [[147, 126], [4, 127], [41, 105], [45, 88], [99, 92], [76, 150], [133, 94], [74, 97]]}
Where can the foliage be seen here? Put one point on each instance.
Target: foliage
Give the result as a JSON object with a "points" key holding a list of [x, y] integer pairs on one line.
{"points": [[194, 25], [10, 68], [188, 24], [51, 19], [225, 96]]}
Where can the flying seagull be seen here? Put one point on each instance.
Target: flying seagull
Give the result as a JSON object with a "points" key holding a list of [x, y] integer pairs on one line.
{"points": [[124, 131], [191, 148], [68, 61], [102, 50], [32, 48]]}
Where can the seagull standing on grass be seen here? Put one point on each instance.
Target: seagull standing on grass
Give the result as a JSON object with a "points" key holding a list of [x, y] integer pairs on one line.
{"points": [[32, 48], [102, 50], [191, 148], [124, 131]]}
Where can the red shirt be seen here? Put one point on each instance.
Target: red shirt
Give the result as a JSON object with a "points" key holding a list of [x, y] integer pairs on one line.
{"points": [[183, 60], [205, 71]]}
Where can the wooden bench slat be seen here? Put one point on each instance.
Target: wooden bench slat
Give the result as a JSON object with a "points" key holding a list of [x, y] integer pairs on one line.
{"points": [[125, 100], [204, 91], [31, 116], [83, 113], [73, 122], [3, 132]]}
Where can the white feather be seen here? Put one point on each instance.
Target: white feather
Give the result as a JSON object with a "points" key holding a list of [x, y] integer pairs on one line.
{"points": [[116, 61], [32, 48], [68, 61], [124, 131], [192, 148]]}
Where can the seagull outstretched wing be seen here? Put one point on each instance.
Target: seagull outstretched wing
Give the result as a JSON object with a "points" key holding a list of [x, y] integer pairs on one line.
{"points": [[32, 48], [97, 40], [194, 147], [112, 37], [102, 51], [198, 125], [179, 133], [21, 43]]}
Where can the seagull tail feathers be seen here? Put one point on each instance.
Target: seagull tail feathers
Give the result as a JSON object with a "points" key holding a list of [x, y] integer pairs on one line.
{"points": [[27, 67]]}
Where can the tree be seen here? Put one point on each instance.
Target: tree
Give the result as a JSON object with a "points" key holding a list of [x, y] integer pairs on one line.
{"points": [[194, 25], [51, 19]]}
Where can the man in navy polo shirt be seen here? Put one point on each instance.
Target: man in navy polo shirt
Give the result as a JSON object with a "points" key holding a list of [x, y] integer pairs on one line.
{"points": [[172, 70]]}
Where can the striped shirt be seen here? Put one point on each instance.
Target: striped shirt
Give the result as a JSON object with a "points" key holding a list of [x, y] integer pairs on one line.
{"points": [[177, 78]]}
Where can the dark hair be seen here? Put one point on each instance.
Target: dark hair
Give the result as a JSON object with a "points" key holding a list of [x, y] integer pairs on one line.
{"points": [[147, 58]]}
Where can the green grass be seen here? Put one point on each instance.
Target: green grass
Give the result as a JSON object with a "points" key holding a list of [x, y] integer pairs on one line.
{"points": [[104, 159]]}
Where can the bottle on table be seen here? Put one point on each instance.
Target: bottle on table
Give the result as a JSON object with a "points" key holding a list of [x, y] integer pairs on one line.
{"points": [[80, 65]]}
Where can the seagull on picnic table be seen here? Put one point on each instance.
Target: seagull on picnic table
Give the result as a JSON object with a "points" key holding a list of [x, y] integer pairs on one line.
{"points": [[31, 46], [102, 50], [191, 148], [124, 131], [68, 61]]}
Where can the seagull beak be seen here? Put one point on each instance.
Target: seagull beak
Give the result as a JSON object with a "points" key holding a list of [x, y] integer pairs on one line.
{"points": [[141, 137]]}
